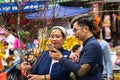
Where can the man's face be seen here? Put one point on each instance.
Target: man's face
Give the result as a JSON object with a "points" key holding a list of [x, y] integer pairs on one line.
{"points": [[78, 31]]}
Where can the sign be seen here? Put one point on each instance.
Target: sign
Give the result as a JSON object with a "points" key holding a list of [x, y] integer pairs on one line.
{"points": [[29, 6]]}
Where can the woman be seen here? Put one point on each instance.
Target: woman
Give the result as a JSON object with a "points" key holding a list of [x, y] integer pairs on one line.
{"points": [[107, 62], [47, 68]]}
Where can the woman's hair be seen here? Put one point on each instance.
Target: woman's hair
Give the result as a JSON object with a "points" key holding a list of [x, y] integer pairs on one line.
{"points": [[96, 29], [63, 30], [96, 34]]}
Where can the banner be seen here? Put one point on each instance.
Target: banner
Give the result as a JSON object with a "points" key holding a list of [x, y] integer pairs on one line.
{"points": [[29, 6]]}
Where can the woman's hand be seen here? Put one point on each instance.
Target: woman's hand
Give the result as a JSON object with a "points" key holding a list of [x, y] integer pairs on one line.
{"points": [[55, 54], [26, 66]]}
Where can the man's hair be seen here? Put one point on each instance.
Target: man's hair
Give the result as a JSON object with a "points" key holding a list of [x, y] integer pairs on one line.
{"points": [[83, 20], [75, 47]]}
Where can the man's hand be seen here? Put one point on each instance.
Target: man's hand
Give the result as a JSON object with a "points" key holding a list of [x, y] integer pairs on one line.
{"points": [[74, 57], [25, 66], [55, 54], [35, 77]]}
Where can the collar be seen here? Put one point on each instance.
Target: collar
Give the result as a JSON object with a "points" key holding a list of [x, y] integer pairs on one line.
{"points": [[61, 49], [89, 39]]}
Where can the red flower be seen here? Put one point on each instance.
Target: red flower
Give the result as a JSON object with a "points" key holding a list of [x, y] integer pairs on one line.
{"points": [[12, 21]]}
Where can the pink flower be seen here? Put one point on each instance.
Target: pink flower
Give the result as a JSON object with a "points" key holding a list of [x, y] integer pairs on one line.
{"points": [[16, 44]]}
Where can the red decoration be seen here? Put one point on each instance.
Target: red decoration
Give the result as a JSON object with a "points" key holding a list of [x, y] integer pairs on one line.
{"points": [[3, 76], [1, 65], [23, 21], [12, 21]]}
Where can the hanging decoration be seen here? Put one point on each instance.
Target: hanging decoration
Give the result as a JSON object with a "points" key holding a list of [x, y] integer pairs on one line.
{"points": [[97, 22], [114, 16], [12, 21], [95, 10], [106, 25], [118, 17], [96, 16], [23, 21]]}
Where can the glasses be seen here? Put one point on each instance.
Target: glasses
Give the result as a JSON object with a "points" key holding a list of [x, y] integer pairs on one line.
{"points": [[75, 30]]}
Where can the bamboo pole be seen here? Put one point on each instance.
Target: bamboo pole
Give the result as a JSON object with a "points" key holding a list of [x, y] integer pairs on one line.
{"points": [[104, 2], [18, 23], [106, 11]]}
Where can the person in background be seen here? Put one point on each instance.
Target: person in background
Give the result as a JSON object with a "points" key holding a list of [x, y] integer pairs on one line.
{"points": [[76, 49], [116, 40], [6, 50], [107, 61], [47, 68], [74, 56], [90, 64], [10, 38]]}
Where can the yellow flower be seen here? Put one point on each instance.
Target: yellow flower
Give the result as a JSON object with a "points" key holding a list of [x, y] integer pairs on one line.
{"points": [[1, 56], [70, 42]]}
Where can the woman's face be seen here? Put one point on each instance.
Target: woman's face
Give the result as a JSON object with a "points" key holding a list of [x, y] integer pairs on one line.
{"points": [[56, 38]]}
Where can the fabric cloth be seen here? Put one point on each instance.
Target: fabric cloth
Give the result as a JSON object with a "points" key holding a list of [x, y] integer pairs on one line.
{"points": [[45, 65], [3, 76], [107, 62], [90, 54]]}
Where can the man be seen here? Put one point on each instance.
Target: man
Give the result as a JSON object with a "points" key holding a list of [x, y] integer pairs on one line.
{"points": [[90, 65]]}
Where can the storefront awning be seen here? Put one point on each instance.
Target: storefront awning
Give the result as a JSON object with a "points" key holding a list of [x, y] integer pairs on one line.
{"points": [[58, 12], [29, 6]]}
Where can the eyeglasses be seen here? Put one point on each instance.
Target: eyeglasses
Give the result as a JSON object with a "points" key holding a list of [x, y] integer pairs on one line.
{"points": [[75, 30]]}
